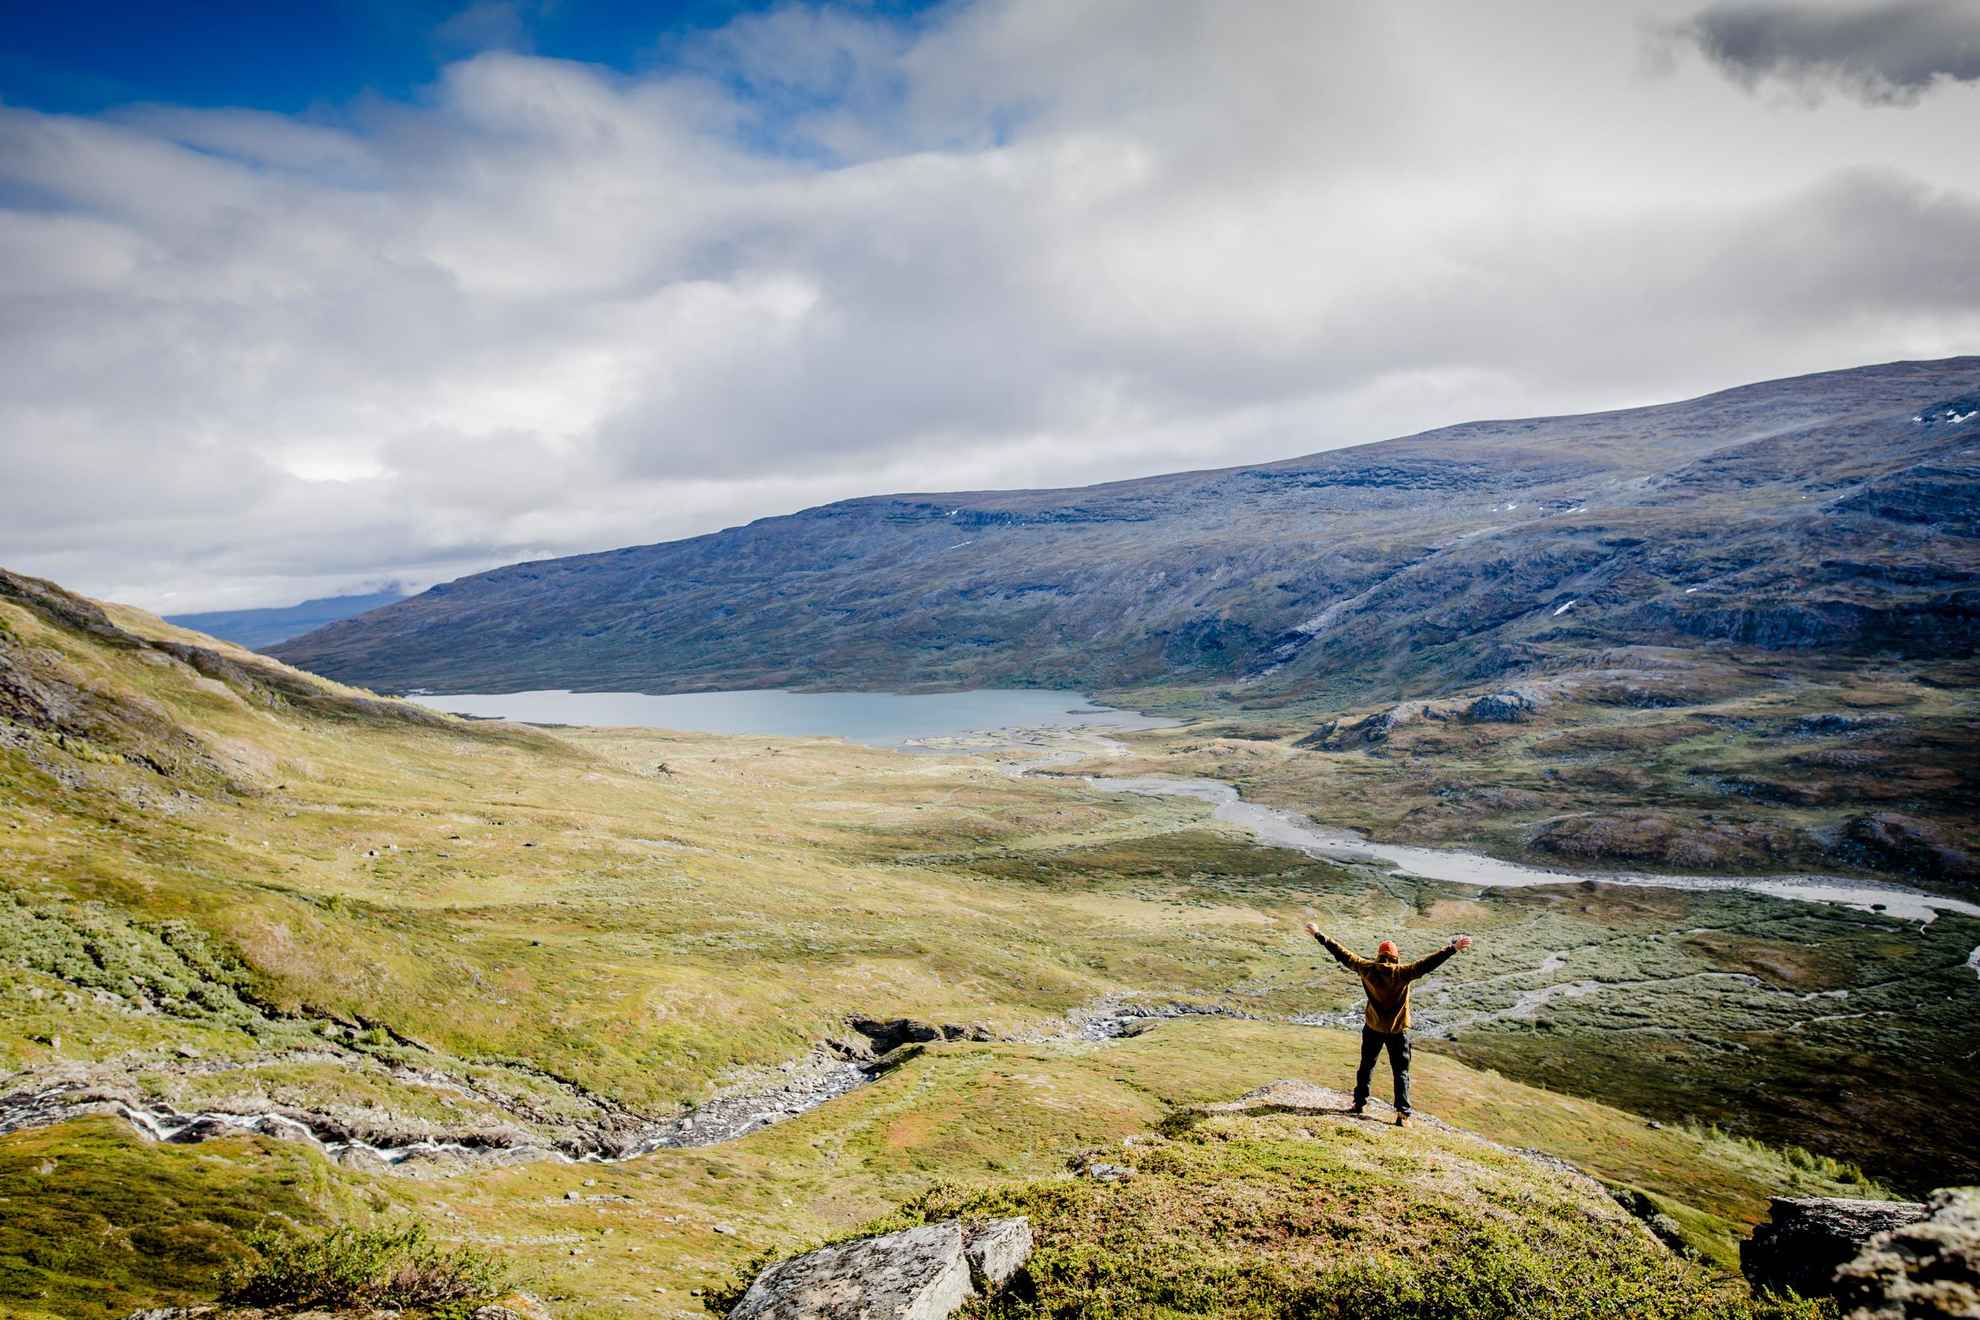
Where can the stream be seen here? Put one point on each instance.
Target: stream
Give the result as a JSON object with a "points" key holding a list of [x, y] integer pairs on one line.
{"points": [[797, 1087], [1288, 829]]}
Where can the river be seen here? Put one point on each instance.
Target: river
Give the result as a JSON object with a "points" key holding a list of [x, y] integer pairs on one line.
{"points": [[1287, 829]]}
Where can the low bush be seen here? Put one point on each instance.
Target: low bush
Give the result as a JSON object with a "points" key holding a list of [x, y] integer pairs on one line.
{"points": [[397, 1267]]}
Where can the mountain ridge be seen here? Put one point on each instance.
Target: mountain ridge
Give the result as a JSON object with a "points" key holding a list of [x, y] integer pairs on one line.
{"points": [[257, 628], [1402, 566]]}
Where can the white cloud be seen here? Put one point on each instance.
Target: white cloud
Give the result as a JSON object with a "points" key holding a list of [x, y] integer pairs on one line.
{"points": [[545, 308]]}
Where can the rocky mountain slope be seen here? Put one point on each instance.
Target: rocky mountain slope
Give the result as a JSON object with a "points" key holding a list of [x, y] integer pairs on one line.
{"points": [[1835, 513]]}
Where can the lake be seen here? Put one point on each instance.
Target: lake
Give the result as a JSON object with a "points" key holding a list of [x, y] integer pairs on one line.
{"points": [[878, 719]]}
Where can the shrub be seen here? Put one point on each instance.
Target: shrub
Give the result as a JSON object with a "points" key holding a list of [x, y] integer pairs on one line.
{"points": [[397, 1266]]}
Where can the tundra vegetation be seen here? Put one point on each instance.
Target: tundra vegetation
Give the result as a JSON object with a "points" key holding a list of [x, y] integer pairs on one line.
{"points": [[232, 887], [1730, 633]]}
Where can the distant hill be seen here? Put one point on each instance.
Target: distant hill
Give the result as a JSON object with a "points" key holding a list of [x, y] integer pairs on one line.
{"points": [[1836, 513], [260, 629]]}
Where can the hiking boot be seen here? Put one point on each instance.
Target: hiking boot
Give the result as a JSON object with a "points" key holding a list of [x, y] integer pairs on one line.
{"points": [[1357, 1111], [1402, 1120]]}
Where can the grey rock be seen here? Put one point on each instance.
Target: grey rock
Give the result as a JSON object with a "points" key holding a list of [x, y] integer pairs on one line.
{"points": [[1929, 1270], [996, 1250], [915, 1274], [1807, 1239], [1108, 1173]]}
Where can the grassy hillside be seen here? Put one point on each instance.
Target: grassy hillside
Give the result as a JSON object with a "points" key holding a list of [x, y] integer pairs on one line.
{"points": [[235, 887], [965, 1120]]}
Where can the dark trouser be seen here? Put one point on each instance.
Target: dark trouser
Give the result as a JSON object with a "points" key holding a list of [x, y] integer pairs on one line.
{"points": [[1372, 1042]]}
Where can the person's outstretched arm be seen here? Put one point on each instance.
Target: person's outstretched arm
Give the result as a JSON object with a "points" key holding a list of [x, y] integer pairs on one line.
{"points": [[1425, 966], [1353, 962]]}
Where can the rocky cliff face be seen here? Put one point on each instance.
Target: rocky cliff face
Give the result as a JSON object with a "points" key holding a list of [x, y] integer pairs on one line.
{"points": [[1830, 512], [1881, 1260], [1808, 1238]]}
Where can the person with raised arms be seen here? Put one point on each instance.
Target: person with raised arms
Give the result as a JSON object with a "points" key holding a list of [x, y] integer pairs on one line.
{"points": [[1385, 1020]]}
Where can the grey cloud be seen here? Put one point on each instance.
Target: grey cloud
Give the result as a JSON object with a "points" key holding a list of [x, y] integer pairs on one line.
{"points": [[1885, 52]]}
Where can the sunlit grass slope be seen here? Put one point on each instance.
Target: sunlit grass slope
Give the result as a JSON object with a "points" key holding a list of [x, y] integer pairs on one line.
{"points": [[229, 884], [962, 1119]]}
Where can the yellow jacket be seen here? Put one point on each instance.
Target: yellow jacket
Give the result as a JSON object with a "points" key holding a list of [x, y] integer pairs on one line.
{"points": [[1387, 983]]}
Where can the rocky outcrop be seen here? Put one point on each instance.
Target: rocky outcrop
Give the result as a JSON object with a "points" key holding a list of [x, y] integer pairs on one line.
{"points": [[1943, 495], [1509, 707], [1890, 841], [1807, 1239], [884, 1035], [1372, 731], [923, 1273], [1929, 1270]]}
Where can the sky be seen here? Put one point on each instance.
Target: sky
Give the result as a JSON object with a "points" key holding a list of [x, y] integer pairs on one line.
{"points": [[297, 300]]}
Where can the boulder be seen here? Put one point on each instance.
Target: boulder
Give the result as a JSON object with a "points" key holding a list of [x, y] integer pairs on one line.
{"points": [[363, 1159], [1652, 1216], [996, 1250], [1928, 1270], [1807, 1239], [923, 1273], [915, 1274]]}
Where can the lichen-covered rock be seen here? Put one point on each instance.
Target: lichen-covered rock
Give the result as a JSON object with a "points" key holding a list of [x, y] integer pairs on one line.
{"points": [[1808, 1238], [996, 1250], [920, 1273], [915, 1274], [1929, 1270]]}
